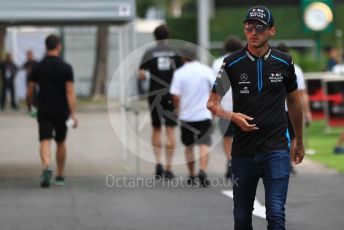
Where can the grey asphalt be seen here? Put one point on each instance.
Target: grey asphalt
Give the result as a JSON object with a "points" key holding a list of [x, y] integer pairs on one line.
{"points": [[91, 201]]}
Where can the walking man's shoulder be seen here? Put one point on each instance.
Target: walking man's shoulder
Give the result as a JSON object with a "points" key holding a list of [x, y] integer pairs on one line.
{"points": [[281, 56], [234, 58]]}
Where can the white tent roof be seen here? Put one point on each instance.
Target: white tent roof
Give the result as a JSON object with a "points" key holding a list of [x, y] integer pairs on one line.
{"points": [[24, 12]]}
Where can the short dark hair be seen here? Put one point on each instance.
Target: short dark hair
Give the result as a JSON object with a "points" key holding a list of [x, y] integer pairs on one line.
{"points": [[161, 32], [328, 48], [282, 47], [52, 41], [232, 44]]}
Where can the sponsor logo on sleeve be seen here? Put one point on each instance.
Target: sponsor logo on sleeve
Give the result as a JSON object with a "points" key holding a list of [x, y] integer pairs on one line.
{"points": [[221, 71]]}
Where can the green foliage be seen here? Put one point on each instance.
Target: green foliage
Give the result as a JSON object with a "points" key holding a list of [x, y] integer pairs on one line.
{"points": [[229, 21], [308, 62], [288, 21], [142, 6], [189, 31]]}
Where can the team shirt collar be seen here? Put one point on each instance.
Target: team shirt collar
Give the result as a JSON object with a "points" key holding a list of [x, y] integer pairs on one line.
{"points": [[253, 57]]}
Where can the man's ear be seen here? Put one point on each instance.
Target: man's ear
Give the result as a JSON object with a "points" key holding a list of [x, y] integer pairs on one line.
{"points": [[59, 47], [272, 31]]}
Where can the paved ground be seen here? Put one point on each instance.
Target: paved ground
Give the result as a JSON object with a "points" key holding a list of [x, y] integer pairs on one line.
{"points": [[89, 201]]}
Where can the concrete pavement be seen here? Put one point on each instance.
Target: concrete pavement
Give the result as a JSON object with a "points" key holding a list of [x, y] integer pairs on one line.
{"points": [[315, 199]]}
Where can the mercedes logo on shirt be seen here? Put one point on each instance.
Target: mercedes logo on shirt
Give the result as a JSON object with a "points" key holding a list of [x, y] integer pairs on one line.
{"points": [[243, 77]]}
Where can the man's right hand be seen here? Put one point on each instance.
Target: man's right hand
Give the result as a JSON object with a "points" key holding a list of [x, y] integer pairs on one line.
{"points": [[75, 119], [142, 75], [241, 120]]}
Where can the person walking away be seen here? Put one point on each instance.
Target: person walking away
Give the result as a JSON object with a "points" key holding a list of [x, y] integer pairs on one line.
{"points": [[56, 103], [161, 61], [190, 88]]}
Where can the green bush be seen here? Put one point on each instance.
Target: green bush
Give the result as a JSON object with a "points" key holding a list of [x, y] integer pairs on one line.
{"points": [[188, 25], [308, 62], [288, 21]]}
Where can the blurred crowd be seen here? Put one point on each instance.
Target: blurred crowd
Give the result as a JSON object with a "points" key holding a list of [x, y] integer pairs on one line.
{"points": [[8, 73], [334, 60]]}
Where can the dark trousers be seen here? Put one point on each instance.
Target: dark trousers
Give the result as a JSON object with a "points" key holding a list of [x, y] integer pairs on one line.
{"points": [[8, 86], [274, 169]]}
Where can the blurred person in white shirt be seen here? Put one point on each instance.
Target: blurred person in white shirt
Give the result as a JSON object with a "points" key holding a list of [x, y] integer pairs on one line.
{"points": [[301, 87], [190, 88]]}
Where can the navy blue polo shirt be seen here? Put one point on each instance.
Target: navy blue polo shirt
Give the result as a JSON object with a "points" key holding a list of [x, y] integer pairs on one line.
{"points": [[259, 87]]}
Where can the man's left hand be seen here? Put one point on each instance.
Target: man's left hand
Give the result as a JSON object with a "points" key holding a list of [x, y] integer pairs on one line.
{"points": [[298, 153]]}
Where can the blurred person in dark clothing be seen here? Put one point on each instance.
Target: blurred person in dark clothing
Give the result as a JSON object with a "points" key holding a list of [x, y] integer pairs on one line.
{"points": [[8, 72], [333, 57], [160, 62], [339, 148], [57, 102], [28, 66]]}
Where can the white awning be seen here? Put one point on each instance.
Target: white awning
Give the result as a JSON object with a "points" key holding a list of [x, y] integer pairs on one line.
{"points": [[48, 12]]}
